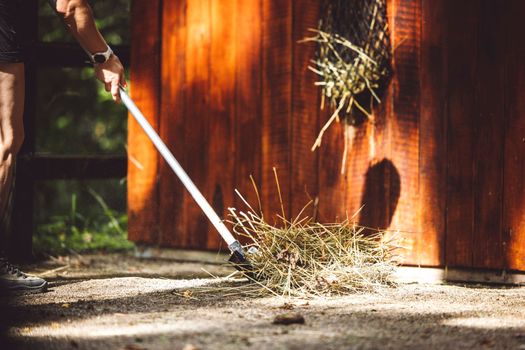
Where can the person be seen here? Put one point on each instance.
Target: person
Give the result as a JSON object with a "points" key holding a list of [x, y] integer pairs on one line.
{"points": [[78, 18]]}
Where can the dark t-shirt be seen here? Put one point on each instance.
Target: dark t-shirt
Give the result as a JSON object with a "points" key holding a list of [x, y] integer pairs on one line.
{"points": [[10, 47]]}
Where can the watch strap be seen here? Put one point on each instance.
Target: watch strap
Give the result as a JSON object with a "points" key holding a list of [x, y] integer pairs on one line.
{"points": [[101, 57]]}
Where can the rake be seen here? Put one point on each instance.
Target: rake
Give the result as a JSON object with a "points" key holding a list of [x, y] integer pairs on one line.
{"points": [[238, 258]]}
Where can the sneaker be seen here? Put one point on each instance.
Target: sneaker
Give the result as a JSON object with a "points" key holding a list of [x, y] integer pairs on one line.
{"points": [[14, 280]]}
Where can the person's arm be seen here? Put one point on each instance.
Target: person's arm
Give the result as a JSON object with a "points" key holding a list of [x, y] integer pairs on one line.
{"points": [[78, 17]]}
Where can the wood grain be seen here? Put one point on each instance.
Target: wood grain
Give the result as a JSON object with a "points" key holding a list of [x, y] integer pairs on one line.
{"points": [[332, 184], [432, 133], [305, 109], [197, 115], [446, 165], [143, 196], [489, 137], [173, 218], [463, 19], [277, 106], [404, 124], [248, 100], [514, 195], [359, 203], [378, 184], [220, 178]]}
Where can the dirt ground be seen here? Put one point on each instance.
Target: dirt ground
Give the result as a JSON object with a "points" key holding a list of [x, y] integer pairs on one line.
{"points": [[122, 302]]}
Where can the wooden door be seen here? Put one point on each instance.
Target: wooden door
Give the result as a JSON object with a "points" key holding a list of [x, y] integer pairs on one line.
{"points": [[226, 83]]}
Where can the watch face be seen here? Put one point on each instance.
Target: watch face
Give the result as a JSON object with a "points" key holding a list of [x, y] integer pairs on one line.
{"points": [[99, 58]]}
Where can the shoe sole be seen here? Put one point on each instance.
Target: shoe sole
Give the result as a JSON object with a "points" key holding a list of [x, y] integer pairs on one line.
{"points": [[26, 289]]}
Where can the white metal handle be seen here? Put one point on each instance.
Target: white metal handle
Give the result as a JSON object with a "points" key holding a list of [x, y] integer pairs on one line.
{"points": [[177, 168]]}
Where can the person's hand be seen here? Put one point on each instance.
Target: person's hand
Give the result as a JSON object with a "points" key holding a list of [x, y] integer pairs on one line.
{"points": [[111, 74]]}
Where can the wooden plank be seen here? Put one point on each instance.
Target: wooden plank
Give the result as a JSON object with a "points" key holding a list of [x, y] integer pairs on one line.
{"points": [[462, 54], [341, 195], [196, 117], [173, 218], [330, 205], [404, 124], [248, 105], [432, 133], [143, 199], [489, 138], [377, 185], [221, 145], [305, 108], [277, 106], [367, 186], [514, 195], [332, 184]]}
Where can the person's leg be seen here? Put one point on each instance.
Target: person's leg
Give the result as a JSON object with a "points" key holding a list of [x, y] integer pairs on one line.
{"points": [[11, 138], [11, 124]]}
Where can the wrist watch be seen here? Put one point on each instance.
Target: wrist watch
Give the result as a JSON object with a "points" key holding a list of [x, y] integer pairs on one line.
{"points": [[101, 57]]}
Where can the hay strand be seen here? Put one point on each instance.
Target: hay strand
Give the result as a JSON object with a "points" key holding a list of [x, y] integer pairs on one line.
{"points": [[307, 258], [352, 62]]}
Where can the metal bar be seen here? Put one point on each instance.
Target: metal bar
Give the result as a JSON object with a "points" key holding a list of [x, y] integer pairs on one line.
{"points": [[179, 171], [49, 167]]}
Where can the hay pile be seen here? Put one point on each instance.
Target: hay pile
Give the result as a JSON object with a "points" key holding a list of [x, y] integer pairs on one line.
{"points": [[307, 258]]}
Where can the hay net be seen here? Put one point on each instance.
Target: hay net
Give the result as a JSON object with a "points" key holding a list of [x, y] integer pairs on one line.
{"points": [[353, 56]]}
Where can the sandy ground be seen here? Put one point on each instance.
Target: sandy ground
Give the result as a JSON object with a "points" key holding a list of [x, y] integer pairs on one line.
{"points": [[120, 302]]}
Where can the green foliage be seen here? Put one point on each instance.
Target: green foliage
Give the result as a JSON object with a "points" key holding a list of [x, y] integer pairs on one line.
{"points": [[76, 115], [60, 235], [84, 221]]}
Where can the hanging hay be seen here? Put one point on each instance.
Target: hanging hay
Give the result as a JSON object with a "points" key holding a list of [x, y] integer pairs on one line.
{"points": [[352, 61], [306, 258]]}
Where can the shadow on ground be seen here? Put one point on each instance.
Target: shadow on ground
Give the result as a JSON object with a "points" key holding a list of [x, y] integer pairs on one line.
{"points": [[159, 313]]}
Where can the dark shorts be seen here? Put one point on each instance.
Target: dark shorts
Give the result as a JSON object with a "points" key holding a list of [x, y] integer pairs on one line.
{"points": [[10, 46]]}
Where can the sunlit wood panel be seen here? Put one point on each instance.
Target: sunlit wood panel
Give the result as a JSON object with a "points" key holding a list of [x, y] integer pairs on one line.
{"points": [[404, 125], [305, 109], [443, 161], [248, 102], [276, 106], [173, 213], [143, 198], [221, 140], [432, 131], [514, 195]]}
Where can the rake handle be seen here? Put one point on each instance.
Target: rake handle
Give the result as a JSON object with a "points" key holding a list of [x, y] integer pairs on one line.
{"points": [[179, 171]]}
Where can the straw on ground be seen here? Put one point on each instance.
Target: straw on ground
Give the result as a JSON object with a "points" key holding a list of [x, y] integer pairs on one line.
{"points": [[302, 257]]}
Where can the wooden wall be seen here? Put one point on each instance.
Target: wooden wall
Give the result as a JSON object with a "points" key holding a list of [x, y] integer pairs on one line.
{"points": [[226, 84]]}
